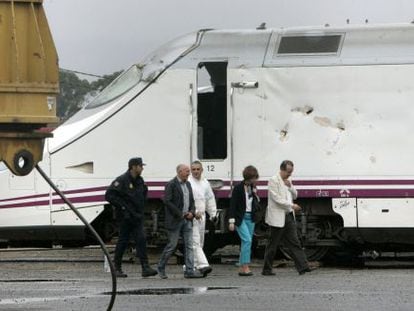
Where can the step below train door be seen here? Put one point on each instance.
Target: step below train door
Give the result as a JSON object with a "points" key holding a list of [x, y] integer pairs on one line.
{"points": [[211, 132]]}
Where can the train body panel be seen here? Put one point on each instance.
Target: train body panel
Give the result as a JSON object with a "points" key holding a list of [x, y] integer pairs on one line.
{"points": [[336, 101]]}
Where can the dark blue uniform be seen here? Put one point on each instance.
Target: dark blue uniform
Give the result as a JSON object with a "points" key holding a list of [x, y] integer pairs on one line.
{"points": [[128, 195]]}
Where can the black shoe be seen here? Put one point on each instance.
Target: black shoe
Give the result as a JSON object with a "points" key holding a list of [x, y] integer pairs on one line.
{"points": [[193, 275], [250, 273], [205, 270], [268, 272], [161, 274], [148, 271], [120, 274], [302, 272]]}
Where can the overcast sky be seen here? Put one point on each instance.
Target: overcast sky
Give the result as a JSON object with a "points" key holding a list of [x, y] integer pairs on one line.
{"points": [[103, 36]]}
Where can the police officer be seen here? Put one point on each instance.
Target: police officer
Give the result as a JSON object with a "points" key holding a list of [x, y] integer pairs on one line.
{"points": [[127, 194]]}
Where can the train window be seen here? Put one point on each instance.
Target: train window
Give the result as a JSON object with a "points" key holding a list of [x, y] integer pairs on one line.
{"points": [[118, 87], [212, 110], [310, 44]]}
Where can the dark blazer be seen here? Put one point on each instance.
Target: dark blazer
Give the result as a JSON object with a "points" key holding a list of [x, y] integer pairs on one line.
{"points": [[238, 203], [174, 202]]}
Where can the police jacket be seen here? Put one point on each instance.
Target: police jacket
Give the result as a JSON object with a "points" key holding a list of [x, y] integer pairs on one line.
{"points": [[128, 195]]}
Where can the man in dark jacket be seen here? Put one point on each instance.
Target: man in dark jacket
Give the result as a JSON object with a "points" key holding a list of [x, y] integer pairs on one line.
{"points": [[127, 194], [179, 214]]}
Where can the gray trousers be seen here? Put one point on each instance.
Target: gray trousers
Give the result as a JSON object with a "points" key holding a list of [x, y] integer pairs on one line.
{"points": [[289, 237], [185, 229]]}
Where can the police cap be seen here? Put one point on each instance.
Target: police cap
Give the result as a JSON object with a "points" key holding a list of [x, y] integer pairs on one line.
{"points": [[135, 161]]}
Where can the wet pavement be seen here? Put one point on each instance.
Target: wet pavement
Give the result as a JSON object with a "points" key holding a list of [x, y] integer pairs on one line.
{"points": [[75, 280]]}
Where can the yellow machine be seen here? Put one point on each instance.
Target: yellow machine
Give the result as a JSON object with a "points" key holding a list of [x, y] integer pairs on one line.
{"points": [[29, 84]]}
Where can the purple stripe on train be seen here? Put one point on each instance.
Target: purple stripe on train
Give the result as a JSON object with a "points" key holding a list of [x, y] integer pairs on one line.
{"points": [[337, 182], [75, 191], [308, 193], [337, 193], [87, 199]]}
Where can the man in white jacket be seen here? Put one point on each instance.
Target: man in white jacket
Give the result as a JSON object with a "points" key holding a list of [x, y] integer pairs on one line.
{"points": [[280, 216], [204, 202]]}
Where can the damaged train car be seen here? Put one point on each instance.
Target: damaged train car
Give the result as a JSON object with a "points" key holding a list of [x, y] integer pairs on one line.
{"points": [[335, 100]]}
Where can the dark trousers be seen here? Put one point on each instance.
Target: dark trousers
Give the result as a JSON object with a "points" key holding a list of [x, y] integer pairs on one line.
{"points": [[289, 237], [131, 228]]}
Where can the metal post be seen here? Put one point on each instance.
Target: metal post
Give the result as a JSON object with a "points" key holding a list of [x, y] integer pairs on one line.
{"points": [[231, 139], [191, 121]]}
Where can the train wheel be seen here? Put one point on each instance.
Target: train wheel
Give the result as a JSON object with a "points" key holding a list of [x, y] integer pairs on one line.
{"points": [[316, 229]]}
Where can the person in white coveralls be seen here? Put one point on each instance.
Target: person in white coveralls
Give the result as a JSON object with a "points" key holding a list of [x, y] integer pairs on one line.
{"points": [[204, 202]]}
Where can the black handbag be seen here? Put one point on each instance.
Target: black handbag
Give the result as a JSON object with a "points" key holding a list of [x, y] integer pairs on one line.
{"points": [[259, 211]]}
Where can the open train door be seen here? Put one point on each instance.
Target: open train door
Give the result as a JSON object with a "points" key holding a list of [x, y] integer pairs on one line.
{"points": [[211, 118], [212, 137]]}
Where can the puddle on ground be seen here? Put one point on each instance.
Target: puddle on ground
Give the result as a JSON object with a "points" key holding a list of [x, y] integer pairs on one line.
{"points": [[169, 291], [30, 280]]}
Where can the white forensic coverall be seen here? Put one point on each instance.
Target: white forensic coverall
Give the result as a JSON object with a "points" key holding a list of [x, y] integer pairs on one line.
{"points": [[204, 202]]}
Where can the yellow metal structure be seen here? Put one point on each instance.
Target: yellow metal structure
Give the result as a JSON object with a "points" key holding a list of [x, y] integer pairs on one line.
{"points": [[29, 83]]}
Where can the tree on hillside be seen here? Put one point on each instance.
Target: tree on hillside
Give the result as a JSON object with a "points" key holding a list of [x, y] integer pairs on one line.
{"points": [[74, 91], [71, 95]]}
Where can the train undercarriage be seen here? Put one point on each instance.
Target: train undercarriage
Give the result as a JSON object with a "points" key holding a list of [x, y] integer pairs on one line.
{"points": [[320, 231]]}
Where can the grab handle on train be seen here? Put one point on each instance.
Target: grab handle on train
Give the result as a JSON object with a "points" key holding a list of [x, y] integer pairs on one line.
{"points": [[245, 85]]}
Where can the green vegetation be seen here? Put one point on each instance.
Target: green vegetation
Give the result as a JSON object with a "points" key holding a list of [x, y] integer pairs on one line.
{"points": [[75, 93]]}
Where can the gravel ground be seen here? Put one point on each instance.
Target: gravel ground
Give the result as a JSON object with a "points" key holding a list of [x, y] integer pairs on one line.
{"points": [[75, 280]]}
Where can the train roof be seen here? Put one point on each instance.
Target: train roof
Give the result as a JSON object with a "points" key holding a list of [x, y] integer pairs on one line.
{"points": [[307, 46]]}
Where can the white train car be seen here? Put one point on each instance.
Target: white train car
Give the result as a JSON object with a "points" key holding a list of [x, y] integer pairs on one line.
{"points": [[338, 101]]}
